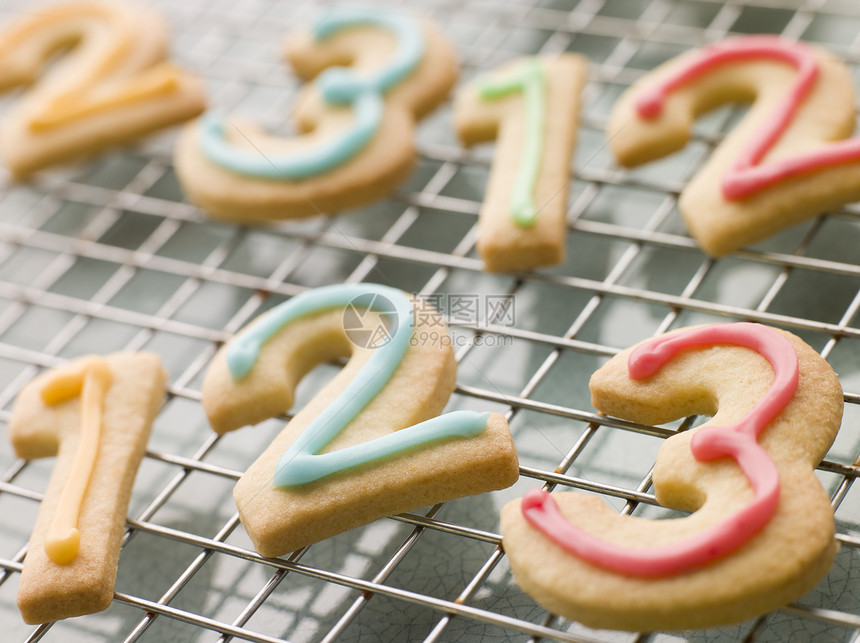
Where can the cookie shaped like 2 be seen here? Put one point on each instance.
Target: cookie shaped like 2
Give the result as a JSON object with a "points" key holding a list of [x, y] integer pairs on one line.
{"points": [[356, 122], [761, 533], [113, 85], [95, 415], [784, 163], [371, 443], [531, 106]]}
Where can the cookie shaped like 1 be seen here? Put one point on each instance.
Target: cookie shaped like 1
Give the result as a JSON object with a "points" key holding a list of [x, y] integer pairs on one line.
{"points": [[357, 122], [761, 533], [531, 106], [784, 163], [113, 85], [371, 443], [95, 415]]}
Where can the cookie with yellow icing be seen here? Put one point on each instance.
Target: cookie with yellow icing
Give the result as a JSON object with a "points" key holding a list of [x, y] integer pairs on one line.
{"points": [[95, 415], [114, 84]]}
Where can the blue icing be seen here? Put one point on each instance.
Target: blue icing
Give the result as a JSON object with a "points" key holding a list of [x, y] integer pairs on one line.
{"points": [[409, 52], [300, 464], [339, 86]]}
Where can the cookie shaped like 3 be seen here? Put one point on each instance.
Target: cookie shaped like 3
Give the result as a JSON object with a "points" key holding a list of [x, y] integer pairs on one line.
{"points": [[356, 122], [785, 162], [95, 415], [531, 106], [761, 533], [371, 443], [113, 85]]}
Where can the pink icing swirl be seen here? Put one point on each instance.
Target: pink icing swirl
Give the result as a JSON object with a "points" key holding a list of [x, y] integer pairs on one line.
{"points": [[738, 441], [748, 175]]}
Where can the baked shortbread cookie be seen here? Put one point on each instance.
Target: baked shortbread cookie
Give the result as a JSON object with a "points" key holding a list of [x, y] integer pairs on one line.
{"points": [[95, 414], [788, 160], [356, 122], [531, 108], [112, 86], [761, 530], [371, 443]]}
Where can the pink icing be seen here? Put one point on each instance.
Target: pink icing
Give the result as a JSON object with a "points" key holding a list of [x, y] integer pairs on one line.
{"points": [[746, 176], [738, 441]]}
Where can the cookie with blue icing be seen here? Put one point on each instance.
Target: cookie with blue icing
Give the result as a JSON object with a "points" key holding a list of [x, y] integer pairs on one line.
{"points": [[372, 75], [372, 442]]}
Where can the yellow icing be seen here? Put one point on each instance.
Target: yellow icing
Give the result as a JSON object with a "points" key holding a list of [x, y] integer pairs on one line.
{"points": [[17, 32], [63, 547], [91, 382], [86, 97], [158, 80]]}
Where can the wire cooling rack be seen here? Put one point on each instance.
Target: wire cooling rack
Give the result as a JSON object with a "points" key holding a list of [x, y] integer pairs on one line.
{"points": [[105, 255]]}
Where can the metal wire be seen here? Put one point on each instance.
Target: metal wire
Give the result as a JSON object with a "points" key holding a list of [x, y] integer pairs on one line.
{"points": [[122, 262]]}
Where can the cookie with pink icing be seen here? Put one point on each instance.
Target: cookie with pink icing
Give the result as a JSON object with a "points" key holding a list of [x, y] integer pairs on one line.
{"points": [[760, 531], [788, 160]]}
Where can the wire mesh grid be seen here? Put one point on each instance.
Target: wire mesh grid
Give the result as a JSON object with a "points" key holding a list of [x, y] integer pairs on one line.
{"points": [[105, 255]]}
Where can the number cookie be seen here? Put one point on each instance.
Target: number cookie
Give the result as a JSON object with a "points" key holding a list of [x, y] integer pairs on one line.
{"points": [[532, 107], [95, 415], [784, 163], [112, 86], [371, 443], [357, 123], [761, 533]]}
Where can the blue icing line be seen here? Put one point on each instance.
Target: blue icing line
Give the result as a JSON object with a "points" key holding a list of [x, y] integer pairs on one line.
{"points": [[328, 155], [409, 52], [244, 349], [300, 464], [339, 86], [296, 468]]}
